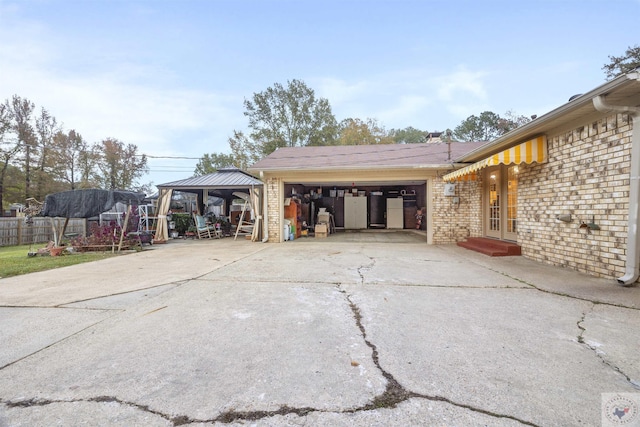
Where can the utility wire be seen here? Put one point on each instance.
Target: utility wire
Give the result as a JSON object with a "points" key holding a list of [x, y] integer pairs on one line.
{"points": [[167, 157]]}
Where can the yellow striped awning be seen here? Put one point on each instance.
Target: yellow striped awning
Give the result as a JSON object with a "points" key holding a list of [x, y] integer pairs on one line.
{"points": [[534, 150]]}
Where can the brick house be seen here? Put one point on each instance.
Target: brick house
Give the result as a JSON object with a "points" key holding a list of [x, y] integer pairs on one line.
{"points": [[577, 205], [564, 187]]}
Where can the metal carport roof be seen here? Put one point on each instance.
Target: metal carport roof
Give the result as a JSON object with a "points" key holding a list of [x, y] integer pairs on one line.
{"points": [[224, 178]]}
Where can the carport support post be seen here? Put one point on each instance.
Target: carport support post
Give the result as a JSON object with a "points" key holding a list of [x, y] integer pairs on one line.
{"points": [[428, 200], [280, 199]]}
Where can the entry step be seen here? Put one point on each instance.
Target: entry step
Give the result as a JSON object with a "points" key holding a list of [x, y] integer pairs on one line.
{"points": [[491, 247]]}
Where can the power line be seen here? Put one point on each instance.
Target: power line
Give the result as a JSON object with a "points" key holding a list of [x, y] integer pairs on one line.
{"points": [[167, 157], [166, 171], [173, 166]]}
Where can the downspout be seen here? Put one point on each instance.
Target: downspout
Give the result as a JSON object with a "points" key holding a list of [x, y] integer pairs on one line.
{"points": [[265, 223], [632, 269]]}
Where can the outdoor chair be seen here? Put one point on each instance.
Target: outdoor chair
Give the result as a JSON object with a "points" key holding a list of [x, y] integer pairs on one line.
{"points": [[217, 231], [202, 229]]}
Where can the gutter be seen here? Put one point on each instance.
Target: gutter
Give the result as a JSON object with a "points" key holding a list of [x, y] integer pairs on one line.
{"points": [[632, 269], [350, 168]]}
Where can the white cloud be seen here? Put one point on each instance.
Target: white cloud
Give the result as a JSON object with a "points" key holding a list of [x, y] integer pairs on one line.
{"points": [[339, 91], [100, 106], [461, 84], [133, 102], [422, 98]]}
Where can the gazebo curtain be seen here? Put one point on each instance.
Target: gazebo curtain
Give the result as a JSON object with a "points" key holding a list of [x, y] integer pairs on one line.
{"points": [[164, 203]]}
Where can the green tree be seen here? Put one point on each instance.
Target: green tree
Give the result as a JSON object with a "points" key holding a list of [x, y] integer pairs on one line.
{"points": [[358, 132], [119, 165], [288, 117], [408, 135], [487, 126], [623, 64], [511, 121], [209, 163], [9, 146], [13, 187], [245, 151], [484, 127]]}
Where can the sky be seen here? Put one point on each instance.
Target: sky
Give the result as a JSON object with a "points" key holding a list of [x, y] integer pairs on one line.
{"points": [[171, 76]]}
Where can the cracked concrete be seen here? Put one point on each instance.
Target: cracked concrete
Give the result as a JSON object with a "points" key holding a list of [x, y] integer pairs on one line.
{"points": [[353, 331]]}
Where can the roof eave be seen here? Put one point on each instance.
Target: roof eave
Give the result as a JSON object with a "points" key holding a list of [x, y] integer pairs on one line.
{"points": [[351, 168], [210, 187]]}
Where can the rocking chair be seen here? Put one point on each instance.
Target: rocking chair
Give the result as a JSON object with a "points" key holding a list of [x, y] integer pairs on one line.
{"points": [[202, 229]]}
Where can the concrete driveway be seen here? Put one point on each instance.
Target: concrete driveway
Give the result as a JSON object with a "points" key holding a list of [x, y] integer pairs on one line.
{"points": [[352, 330]]}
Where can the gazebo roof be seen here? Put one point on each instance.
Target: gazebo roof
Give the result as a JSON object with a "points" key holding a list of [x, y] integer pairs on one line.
{"points": [[224, 178]]}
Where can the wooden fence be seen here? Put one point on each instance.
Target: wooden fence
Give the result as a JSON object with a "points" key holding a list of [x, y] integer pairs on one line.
{"points": [[14, 230]]}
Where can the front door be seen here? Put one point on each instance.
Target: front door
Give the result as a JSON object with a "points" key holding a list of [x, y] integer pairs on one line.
{"points": [[501, 202]]}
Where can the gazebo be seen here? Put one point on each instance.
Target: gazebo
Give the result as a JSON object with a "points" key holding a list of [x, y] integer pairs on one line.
{"points": [[223, 183]]}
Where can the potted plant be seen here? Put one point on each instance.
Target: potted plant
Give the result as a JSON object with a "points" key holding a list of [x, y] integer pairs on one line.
{"points": [[56, 250], [182, 222], [191, 231]]}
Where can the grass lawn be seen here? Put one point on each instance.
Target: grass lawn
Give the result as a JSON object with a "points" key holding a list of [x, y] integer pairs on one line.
{"points": [[14, 260]]}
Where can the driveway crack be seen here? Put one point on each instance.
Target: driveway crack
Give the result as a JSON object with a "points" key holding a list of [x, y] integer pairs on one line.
{"points": [[363, 268], [599, 354], [560, 294], [58, 341], [395, 393], [179, 420]]}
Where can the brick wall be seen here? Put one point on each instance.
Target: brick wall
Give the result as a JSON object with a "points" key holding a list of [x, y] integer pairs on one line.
{"points": [[587, 176], [455, 222]]}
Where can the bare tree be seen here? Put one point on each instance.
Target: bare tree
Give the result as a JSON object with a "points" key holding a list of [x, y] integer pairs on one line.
{"points": [[46, 127], [22, 111], [72, 159]]}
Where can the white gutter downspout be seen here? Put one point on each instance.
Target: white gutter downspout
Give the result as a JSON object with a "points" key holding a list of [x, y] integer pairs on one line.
{"points": [[265, 223], [632, 270]]}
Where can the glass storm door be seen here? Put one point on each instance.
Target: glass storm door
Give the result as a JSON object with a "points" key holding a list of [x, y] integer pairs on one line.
{"points": [[492, 201], [501, 203], [511, 198]]}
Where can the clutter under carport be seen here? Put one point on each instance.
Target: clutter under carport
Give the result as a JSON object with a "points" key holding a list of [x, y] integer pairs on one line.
{"points": [[318, 211]]}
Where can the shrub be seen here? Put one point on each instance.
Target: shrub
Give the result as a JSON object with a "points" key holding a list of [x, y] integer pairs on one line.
{"points": [[182, 220], [103, 235]]}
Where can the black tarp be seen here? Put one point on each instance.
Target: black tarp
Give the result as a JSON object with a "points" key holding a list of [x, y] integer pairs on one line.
{"points": [[87, 203]]}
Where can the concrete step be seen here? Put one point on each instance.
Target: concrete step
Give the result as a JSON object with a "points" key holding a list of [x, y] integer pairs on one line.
{"points": [[491, 247]]}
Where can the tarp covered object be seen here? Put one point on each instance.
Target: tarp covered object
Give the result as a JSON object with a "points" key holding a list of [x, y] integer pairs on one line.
{"points": [[87, 203]]}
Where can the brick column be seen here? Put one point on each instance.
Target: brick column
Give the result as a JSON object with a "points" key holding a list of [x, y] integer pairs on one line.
{"points": [[274, 200]]}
